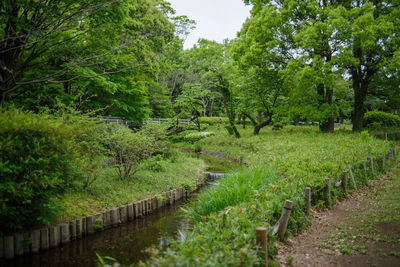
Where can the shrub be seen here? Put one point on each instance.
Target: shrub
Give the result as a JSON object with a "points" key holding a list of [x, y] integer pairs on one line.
{"points": [[213, 120], [229, 129], [376, 119], [198, 147], [130, 149], [277, 126], [194, 137], [155, 164], [39, 159]]}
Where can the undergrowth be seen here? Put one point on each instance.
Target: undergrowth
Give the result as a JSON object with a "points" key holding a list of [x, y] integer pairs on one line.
{"points": [[284, 162]]}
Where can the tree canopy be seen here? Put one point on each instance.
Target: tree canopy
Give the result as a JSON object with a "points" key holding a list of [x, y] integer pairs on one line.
{"points": [[292, 61]]}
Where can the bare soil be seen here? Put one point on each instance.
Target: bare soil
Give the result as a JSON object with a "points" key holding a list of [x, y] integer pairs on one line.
{"points": [[362, 230]]}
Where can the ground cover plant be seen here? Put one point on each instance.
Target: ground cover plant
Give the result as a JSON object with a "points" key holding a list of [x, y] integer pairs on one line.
{"points": [[64, 165], [156, 175], [283, 163]]}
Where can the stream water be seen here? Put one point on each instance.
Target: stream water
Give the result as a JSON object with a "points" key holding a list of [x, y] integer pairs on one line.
{"points": [[126, 243]]}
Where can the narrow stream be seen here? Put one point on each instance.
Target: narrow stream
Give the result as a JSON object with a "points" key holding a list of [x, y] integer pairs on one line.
{"points": [[126, 243]]}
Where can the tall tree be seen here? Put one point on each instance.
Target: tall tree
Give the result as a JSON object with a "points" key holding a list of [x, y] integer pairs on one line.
{"points": [[100, 54], [369, 36]]}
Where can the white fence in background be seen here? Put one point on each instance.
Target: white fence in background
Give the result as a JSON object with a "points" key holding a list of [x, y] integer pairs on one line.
{"points": [[148, 121]]}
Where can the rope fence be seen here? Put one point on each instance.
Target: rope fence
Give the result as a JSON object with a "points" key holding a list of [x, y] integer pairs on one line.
{"points": [[281, 225]]}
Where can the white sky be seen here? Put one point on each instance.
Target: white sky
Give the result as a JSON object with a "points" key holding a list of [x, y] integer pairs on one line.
{"points": [[216, 19]]}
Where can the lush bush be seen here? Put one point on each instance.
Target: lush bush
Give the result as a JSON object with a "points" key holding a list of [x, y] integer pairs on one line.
{"points": [[39, 159], [229, 129], [376, 119], [213, 120], [196, 136], [129, 149], [277, 126]]}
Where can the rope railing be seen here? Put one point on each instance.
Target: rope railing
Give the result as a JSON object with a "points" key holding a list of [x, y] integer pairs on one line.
{"points": [[281, 225]]}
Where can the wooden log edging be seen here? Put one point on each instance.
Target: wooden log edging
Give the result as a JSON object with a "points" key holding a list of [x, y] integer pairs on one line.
{"points": [[19, 244]]}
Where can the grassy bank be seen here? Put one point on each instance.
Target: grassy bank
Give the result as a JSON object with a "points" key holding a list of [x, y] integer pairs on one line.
{"points": [[57, 167], [110, 191], [283, 162]]}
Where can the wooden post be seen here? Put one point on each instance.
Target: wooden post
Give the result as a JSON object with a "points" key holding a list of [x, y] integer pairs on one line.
{"points": [[89, 225], [44, 239], [131, 212], [35, 236], [352, 177], [78, 223], [344, 182], [383, 162], [328, 192], [72, 230], [371, 162], [307, 192], [54, 236], [262, 239], [365, 170], [1, 247], [114, 217], [65, 234], [287, 208], [9, 247], [27, 247], [18, 244]]}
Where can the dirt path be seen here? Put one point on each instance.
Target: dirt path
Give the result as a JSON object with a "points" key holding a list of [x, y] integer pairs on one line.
{"points": [[363, 230]]}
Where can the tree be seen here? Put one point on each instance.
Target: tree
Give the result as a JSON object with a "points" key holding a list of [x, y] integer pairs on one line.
{"points": [[191, 101], [369, 35], [293, 38], [76, 46]]}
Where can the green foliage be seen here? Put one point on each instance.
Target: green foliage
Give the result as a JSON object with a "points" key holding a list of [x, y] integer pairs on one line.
{"points": [[39, 159], [155, 164], [213, 120], [129, 149], [232, 190], [194, 137], [226, 214], [198, 147], [376, 119], [78, 54], [229, 129], [109, 191], [277, 126]]}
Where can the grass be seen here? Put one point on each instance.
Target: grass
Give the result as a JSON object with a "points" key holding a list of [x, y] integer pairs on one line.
{"points": [[299, 153], [109, 191], [283, 162], [233, 190], [217, 165]]}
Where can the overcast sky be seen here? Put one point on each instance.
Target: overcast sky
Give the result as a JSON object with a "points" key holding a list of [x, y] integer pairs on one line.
{"points": [[216, 19]]}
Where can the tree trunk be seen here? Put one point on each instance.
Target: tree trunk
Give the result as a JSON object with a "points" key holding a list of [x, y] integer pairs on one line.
{"points": [[244, 121], [359, 97], [3, 98], [261, 125], [228, 113], [329, 125]]}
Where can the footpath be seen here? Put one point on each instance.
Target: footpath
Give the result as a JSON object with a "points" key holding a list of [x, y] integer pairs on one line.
{"points": [[362, 230]]}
